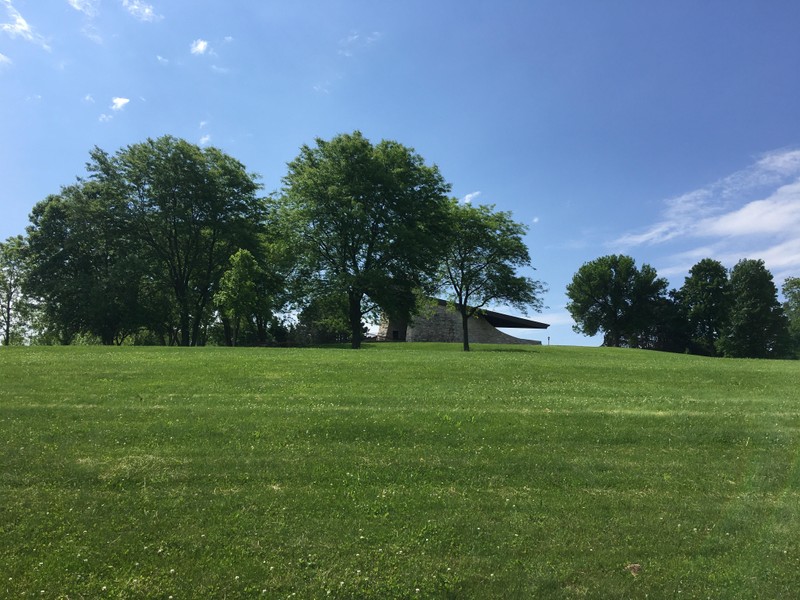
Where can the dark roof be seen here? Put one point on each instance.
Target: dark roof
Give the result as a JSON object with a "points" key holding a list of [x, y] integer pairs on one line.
{"points": [[497, 319]]}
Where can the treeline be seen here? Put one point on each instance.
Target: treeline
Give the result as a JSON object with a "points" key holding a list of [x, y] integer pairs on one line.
{"points": [[716, 312], [164, 242]]}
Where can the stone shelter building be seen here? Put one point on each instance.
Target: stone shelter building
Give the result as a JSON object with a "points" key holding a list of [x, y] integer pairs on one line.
{"points": [[443, 324]]}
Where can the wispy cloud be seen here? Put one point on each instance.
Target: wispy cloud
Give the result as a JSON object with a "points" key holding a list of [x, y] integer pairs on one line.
{"points": [[205, 140], [87, 7], [695, 212], [141, 10], [89, 99], [118, 104], [753, 213], [105, 118], [470, 197], [198, 47], [356, 41], [162, 60], [19, 27], [323, 87], [4, 60]]}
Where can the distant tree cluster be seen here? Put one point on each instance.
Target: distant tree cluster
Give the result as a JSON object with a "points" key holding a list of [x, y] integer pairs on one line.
{"points": [[168, 243], [716, 312]]}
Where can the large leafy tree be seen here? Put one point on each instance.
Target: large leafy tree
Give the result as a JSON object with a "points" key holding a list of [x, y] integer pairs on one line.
{"points": [[245, 299], [611, 295], [757, 326], [371, 222], [480, 265], [193, 208], [705, 300], [13, 307], [791, 307], [85, 271]]}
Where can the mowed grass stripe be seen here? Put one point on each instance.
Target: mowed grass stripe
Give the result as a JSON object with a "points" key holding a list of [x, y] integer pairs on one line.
{"points": [[329, 473]]}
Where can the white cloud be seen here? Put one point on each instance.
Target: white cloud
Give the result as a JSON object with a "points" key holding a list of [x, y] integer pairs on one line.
{"points": [[162, 60], [535, 220], [104, 118], [18, 27], [753, 213], [119, 103], [87, 7], [141, 10], [775, 215], [199, 46], [4, 60], [323, 88], [356, 41], [203, 124], [717, 208], [88, 98], [470, 197], [90, 31], [205, 140]]}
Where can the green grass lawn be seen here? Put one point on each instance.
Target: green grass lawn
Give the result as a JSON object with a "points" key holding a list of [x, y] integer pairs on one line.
{"points": [[397, 471]]}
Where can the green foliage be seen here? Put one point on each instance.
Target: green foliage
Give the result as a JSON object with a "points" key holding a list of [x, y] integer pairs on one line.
{"points": [[526, 473], [245, 297], [371, 222], [481, 262], [138, 249], [14, 310], [756, 326], [706, 301], [791, 308], [610, 295], [194, 207], [85, 268], [323, 320]]}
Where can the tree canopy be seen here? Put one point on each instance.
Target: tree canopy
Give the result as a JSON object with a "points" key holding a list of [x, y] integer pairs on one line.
{"points": [[756, 326], [480, 266], [143, 242], [611, 295], [371, 222], [13, 307], [705, 298], [791, 308]]}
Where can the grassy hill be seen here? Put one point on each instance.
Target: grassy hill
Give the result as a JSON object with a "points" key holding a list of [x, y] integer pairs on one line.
{"points": [[398, 471]]}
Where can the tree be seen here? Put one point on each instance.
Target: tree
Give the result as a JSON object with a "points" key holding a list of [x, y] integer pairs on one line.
{"points": [[85, 266], [791, 308], [611, 295], [705, 300], [666, 330], [324, 320], [193, 208], [756, 327], [371, 222], [13, 307], [480, 264], [243, 298]]}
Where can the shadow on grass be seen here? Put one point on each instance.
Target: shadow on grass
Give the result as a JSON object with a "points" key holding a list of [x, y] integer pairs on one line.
{"points": [[531, 349]]}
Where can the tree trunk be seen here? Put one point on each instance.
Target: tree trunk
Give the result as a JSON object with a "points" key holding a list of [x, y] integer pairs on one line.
{"points": [[355, 319], [226, 331], [465, 328], [7, 327]]}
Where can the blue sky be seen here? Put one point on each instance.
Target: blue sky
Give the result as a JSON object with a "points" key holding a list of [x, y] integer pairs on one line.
{"points": [[665, 130]]}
